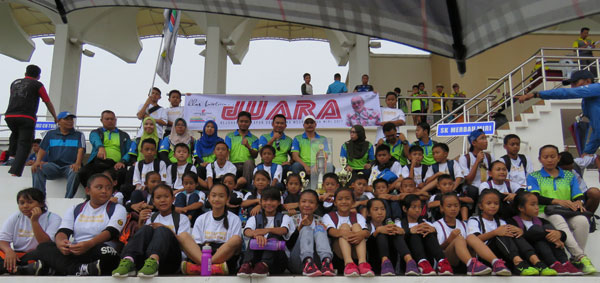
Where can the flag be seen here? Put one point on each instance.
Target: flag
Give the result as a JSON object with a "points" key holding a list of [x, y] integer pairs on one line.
{"points": [[163, 68]]}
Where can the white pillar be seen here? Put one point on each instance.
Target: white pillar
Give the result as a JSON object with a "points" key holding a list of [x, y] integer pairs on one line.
{"points": [[359, 61], [215, 62], [64, 76]]}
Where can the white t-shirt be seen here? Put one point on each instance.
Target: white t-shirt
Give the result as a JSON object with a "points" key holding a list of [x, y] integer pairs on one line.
{"points": [[388, 115], [418, 173], [17, 230], [411, 224], [220, 171], [90, 222], [517, 171], [139, 179], [286, 222], [120, 197], [208, 230], [463, 164], [180, 171], [278, 171], [475, 227], [258, 196], [160, 114], [501, 188], [366, 195], [173, 113], [184, 222], [396, 169], [344, 220], [443, 167], [443, 230], [201, 195]]}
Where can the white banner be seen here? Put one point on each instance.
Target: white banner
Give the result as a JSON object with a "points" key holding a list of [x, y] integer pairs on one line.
{"points": [[163, 68], [331, 111]]}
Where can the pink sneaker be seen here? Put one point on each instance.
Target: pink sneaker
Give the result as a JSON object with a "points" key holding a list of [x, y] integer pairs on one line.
{"points": [[365, 270], [351, 270]]}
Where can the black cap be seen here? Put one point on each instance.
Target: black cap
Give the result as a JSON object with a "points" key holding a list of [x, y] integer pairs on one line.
{"points": [[579, 75]]}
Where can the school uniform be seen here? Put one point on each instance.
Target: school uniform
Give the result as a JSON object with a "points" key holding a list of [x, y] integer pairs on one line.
{"points": [[214, 171], [181, 169], [330, 222], [444, 230], [235, 198], [443, 167], [503, 190], [139, 176], [183, 199], [160, 241], [276, 260], [120, 197], [380, 172], [421, 247], [17, 231], [84, 222], [310, 241], [419, 173], [393, 247], [518, 169], [534, 231]]}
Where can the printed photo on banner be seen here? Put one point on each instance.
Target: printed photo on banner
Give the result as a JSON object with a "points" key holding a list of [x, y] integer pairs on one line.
{"points": [[331, 110]]}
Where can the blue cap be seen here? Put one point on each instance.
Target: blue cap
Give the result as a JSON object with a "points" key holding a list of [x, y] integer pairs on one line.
{"points": [[475, 134], [579, 75], [65, 114]]}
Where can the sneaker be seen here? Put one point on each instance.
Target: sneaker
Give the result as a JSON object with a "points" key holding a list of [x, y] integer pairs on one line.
{"points": [[351, 270], [150, 268], [245, 270], [499, 268], [526, 270], [89, 269], [190, 268], [476, 268], [559, 268], [411, 268], [425, 268], [219, 269], [587, 267], [310, 268], [444, 267], [387, 268], [544, 270], [365, 270], [33, 268], [126, 268], [260, 270], [571, 269], [327, 268]]}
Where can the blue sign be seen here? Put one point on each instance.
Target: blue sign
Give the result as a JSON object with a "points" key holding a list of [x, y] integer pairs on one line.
{"points": [[464, 129], [44, 126]]}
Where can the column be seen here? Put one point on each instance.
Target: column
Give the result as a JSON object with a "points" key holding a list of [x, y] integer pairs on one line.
{"points": [[66, 66], [215, 62]]}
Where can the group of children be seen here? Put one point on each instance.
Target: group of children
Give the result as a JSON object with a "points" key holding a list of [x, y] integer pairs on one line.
{"points": [[429, 216]]}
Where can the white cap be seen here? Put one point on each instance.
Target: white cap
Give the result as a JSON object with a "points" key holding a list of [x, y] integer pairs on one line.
{"points": [[308, 117]]}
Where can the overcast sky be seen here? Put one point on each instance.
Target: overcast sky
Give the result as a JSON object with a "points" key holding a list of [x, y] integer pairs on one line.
{"points": [[106, 82]]}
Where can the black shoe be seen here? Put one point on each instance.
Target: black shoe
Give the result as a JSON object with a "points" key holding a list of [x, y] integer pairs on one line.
{"points": [[90, 269], [30, 269]]}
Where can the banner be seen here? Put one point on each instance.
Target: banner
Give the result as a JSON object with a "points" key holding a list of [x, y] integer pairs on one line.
{"points": [[464, 129], [331, 110], [163, 69]]}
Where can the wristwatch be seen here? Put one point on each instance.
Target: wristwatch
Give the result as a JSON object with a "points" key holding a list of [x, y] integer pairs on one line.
{"points": [[536, 94]]}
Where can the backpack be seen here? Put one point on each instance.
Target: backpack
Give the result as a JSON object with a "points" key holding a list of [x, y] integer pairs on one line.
{"points": [[153, 109], [450, 163], [488, 157], [110, 209], [507, 162], [505, 182], [174, 215], [174, 167], [387, 175], [155, 163], [336, 219], [260, 220], [424, 169], [444, 229], [273, 169], [535, 220]]}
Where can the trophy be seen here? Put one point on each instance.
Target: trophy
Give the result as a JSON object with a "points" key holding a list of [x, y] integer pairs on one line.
{"points": [[303, 180], [344, 176], [321, 166]]}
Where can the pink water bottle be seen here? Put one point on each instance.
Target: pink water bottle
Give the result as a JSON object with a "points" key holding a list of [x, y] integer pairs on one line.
{"points": [[206, 260], [272, 245]]}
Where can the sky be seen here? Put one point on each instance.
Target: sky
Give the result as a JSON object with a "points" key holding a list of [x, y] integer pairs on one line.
{"points": [[270, 67]]}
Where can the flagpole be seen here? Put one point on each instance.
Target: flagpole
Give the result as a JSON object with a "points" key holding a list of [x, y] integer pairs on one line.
{"points": [[162, 40]]}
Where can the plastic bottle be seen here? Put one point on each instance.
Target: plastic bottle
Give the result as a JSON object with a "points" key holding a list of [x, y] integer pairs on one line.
{"points": [[272, 245], [206, 260]]}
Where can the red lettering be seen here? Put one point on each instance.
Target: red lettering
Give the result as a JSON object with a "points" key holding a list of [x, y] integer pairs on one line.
{"points": [[257, 112], [231, 112], [281, 108], [303, 108], [331, 110]]}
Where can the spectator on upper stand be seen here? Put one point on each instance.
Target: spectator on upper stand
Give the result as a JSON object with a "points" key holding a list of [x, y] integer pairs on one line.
{"points": [[243, 146], [306, 87], [365, 86], [457, 103], [175, 111], [35, 147], [151, 109], [337, 86], [437, 103], [65, 147], [401, 102], [424, 101], [109, 150], [584, 42]]}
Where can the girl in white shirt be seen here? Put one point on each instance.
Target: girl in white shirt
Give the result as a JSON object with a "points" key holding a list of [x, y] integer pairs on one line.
{"points": [[155, 240], [220, 229], [93, 225], [505, 188], [32, 225]]}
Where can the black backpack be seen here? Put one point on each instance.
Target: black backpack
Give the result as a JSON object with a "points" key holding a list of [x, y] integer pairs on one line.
{"points": [[450, 163], [260, 220], [174, 167], [156, 164], [508, 164], [175, 216]]}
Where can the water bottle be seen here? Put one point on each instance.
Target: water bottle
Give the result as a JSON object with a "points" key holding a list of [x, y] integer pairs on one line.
{"points": [[206, 260], [272, 245]]}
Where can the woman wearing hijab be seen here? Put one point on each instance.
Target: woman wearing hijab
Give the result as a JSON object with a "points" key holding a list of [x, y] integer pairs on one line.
{"points": [[149, 132], [205, 147], [358, 151], [179, 134]]}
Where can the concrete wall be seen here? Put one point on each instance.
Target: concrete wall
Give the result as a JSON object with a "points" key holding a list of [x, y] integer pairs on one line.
{"points": [[390, 71]]}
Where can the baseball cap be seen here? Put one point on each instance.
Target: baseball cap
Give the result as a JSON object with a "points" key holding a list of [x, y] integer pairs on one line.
{"points": [[65, 114], [578, 75], [307, 117], [475, 134]]}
